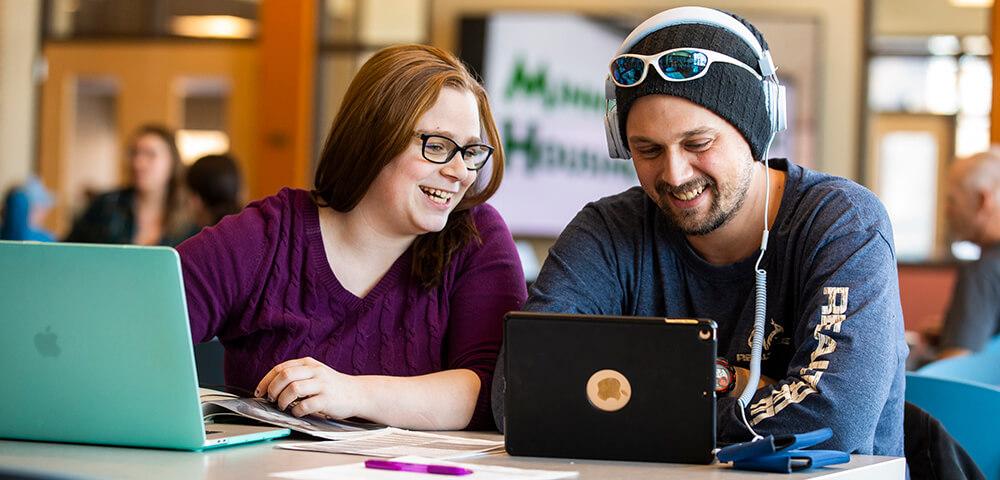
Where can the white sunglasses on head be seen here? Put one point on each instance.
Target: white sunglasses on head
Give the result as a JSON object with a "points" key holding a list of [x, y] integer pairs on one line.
{"points": [[674, 65]]}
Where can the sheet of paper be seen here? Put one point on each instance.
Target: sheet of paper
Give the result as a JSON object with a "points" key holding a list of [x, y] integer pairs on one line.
{"points": [[394, 442], [216, 404], [479, 472]]}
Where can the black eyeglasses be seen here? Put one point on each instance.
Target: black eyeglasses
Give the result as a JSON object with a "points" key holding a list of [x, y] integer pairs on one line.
{"points": [[441, 149]]}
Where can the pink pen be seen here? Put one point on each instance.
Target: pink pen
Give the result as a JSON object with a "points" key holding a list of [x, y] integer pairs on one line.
{"points": [[416, 467]]}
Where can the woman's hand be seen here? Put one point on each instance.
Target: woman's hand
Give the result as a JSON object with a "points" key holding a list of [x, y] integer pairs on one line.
{"points": [[306, 386], [435, 401]]}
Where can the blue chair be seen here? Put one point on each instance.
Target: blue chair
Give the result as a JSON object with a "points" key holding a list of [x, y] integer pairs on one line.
{"points": [[208, 361], [993, 345], [967, 409], [982, 367]]}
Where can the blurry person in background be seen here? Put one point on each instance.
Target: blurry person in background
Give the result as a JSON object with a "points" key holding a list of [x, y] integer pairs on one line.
{"points": [[215, 189], [973, 212], [152, 210], [24, 210]]}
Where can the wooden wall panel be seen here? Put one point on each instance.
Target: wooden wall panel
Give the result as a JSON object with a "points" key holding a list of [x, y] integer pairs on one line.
{"points": [[148, 75], [286, 100]]}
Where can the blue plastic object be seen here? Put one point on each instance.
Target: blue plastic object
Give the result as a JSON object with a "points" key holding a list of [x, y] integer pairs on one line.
{"points": [[968, 410], [993, 345], [793, 461], [783, 453], [980, 367]]}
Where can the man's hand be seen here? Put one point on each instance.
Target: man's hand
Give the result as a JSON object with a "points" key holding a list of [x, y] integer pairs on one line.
{"points": [[743, 376]]}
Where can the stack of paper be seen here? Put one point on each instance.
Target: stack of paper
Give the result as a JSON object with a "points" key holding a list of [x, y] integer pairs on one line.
{"points": [[216, 405], [393, 442], [479, 472]]}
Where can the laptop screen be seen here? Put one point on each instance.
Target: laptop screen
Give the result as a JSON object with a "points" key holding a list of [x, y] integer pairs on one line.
{"points": [[102, 341]]}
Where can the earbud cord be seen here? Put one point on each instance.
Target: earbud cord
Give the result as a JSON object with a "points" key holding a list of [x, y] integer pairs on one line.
{"points": [[760, 305]]}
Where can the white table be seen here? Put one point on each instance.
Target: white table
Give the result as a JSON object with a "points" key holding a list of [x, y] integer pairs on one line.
{"points": [[259, 459]]}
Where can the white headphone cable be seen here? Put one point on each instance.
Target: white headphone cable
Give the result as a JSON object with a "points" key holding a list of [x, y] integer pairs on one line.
{"points": [[760, 305]]}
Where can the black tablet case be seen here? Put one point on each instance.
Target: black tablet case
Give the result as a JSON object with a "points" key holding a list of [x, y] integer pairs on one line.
{"points": [[670, 365]]}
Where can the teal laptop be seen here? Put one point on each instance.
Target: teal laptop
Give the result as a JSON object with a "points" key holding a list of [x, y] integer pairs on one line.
{"points": [[96, 348]]}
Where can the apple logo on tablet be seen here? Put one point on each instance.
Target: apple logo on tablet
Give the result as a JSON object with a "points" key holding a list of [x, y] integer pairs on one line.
{"points": [[45, 343], [609, 390]]}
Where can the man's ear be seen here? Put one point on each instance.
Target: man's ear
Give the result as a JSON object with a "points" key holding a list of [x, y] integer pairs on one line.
{"points": [[985, 200]]}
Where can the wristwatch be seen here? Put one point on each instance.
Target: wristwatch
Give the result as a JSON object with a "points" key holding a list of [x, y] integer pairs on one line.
{"points": [[725, 377]]}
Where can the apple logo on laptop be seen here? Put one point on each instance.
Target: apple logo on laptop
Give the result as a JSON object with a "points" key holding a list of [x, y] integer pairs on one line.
{"points": [[45, 343], [608, 390]]}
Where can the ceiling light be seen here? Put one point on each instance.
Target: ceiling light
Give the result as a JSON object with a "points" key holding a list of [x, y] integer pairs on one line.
{"points": [[972, 3], [212, 26]]}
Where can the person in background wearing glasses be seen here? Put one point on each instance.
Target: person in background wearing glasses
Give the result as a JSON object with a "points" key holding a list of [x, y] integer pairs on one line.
{"points": [[151, 210], [380, 293], [694, 102]]}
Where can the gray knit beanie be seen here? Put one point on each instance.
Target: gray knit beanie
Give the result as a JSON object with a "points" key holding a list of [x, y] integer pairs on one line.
{"points": [[727, 90]]}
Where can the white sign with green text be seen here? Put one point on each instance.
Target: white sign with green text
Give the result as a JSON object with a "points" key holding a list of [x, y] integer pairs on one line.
{"points": [[545, 77]]}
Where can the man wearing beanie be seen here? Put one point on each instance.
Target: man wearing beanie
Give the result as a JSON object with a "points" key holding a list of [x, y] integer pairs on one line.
{"points": [[696, 114]]}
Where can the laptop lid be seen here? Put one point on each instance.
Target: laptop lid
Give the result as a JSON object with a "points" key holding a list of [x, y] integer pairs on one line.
{"points": [[606, 387], [97, 342]]}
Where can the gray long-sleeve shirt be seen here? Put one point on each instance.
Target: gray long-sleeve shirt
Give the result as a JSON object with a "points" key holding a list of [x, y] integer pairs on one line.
{"points": [[834, 326], [973, 316]]}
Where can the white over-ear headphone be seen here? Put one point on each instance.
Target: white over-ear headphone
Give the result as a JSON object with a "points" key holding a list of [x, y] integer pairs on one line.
{"points": [[774, 93]]}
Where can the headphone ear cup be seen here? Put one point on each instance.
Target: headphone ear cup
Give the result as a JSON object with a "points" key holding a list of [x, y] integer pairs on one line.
{"points": [[782, 116], [616, 145], [775, 97]]}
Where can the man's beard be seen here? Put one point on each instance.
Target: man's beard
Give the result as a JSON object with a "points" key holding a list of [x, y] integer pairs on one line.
{"points": [[722, 209]]}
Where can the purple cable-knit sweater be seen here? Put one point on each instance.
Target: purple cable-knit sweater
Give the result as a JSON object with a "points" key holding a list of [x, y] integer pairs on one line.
{"points": [[260, 282]]}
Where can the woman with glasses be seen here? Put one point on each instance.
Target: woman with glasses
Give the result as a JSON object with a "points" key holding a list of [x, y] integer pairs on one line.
{"points": [[380, 293], [152, 209]]}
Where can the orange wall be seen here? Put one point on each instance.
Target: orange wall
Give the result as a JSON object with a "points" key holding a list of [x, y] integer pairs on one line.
{"points": [[925, 291], [286, 96], [995, 111]]}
